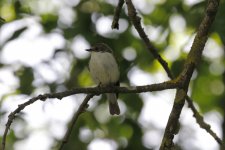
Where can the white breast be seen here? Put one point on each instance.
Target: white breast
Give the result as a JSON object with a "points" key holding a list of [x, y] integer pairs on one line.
{"points": [[103, 68]]}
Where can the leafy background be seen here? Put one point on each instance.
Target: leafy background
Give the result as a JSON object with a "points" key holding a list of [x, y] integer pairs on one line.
{"points": [[64, 29]]}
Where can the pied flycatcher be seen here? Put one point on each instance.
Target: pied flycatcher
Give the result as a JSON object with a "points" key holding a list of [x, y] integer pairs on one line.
{"points": [[104, 71]]}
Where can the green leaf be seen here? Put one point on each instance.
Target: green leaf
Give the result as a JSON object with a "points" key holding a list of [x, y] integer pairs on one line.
{"points": [[133, 102], [49, 22], [26, 78], [177, 67], [2, 20], [205, 87]]}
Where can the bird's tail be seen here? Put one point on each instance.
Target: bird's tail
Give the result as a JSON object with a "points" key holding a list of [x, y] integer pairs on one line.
{"points": [[113, 104]]}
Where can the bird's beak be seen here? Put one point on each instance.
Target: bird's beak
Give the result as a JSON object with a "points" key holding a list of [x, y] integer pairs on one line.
{"points": [[89, 50]]}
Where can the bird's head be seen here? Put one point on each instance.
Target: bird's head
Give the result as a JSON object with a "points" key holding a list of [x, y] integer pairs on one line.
{"points": [[100, 47]]}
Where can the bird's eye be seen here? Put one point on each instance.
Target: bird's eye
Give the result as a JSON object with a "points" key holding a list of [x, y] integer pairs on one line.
{"points": [[96, 49]]}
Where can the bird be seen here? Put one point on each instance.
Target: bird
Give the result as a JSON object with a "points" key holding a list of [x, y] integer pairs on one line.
{"points": [[105, 72]]}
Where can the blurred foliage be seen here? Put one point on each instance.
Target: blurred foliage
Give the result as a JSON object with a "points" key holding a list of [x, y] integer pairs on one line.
{"points": [[26, 78], [125, 130]]}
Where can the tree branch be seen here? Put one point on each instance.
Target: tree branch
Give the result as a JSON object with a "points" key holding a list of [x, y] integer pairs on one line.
{"points": [[116, 17], [193, 59], [137, 24], [80, 110], [200, 121], [94, 91]]}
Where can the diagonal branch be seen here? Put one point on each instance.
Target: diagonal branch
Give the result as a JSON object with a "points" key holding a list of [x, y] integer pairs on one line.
{"points": [[115, 23], [94, 91], [200, 121], [137, 24], [192, 61], [80, 110]]}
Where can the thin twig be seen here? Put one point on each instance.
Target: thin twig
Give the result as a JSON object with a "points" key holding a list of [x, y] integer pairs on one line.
{"points": [[94, 90], [115, 23], [137, 24], [80, 110], [201, 122], [12, 115]]}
